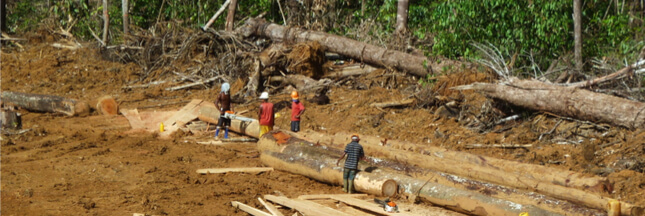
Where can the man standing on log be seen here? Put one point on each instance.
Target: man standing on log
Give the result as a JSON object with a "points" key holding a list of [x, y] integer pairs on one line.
{"points": [[297, 108], [223, 104], [265, 114], [354, 152]]}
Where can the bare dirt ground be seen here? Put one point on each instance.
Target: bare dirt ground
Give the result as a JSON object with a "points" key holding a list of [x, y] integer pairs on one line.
{"points": [[83, 165]]}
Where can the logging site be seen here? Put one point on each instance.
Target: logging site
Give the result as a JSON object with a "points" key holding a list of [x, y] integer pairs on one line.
{"points": [[322, 107]]}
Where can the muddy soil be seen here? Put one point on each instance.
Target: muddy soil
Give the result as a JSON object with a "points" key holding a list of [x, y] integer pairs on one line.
{"points": [[89, 165]]}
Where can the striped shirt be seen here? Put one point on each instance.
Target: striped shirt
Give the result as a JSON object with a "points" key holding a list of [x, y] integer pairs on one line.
{"points": [[354, 153]]}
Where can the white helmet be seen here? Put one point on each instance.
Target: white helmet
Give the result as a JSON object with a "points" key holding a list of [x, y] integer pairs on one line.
{"points": [[264, 95]]}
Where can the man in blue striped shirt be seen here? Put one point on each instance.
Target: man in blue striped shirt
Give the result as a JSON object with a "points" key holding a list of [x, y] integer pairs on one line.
{"points": [[354, 152]]}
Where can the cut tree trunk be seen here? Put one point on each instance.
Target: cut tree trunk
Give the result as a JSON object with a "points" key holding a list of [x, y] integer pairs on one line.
{"points": [[46, 103], [106, 105], [351, 70], [319, 162], [575, 103], [560, 184], [125, 8], [412, 64], [11, 120]]}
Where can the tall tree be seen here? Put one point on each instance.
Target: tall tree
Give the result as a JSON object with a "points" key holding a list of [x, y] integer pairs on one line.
{"points": [[3, 15], [230, 18], [577, 34], [402, 15]]}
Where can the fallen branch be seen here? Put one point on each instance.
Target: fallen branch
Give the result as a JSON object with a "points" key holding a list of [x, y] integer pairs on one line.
{"points": [[471, 146], [406, 102], [221, 9], [144, 85], [194, 84], [616, 75], [227, 170]]}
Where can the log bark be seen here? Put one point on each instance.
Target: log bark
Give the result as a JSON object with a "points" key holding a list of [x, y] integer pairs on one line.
{"points": [[560, 184], [352, 70], [412, 64], [319, 162], [406, 102], [301, 82], [11, 120], [46, 103], [575, 103]]}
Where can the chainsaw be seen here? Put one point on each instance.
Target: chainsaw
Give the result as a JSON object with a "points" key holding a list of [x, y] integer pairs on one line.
{"points": [[231, 115]]}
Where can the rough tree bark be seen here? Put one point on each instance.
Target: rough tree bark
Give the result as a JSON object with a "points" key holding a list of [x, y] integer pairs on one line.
{"points": [[230, 17], [402, 16], [412, 64], [46, 103], [576, 103], [577, 34], [319, 162]]}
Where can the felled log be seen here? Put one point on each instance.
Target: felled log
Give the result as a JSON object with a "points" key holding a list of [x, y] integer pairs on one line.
{"points": [[301, 82], [413, 64], [560, 184], [405, 102], [210, 114], [352, 70], [571, 102], [106, 105], [379, 147], [319, 162], [46, 103]]}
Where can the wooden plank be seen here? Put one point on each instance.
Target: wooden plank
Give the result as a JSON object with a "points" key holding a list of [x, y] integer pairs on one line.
{"points": [[242, 169], [370, 206], [328, 196], [249, 209], [271, 208], [304, 206]]}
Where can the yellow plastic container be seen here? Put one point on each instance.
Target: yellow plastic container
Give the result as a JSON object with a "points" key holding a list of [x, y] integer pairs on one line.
{"points": [[161, 127]]}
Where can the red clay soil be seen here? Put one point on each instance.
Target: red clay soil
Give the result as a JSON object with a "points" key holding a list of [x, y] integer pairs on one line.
{"points": [[90, 166]]}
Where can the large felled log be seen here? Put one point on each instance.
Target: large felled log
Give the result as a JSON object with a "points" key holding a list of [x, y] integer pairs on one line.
{"points": [[571, 102], [561, 184], [302, 83], [319, 162], [46, 103], [413, 64], [209, 113]]}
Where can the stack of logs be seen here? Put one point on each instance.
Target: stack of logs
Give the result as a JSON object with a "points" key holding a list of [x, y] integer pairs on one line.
{"points": [[459, 181]]}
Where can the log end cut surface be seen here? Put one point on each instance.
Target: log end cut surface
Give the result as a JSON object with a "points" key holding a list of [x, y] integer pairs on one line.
{"points": [[106, 105]]}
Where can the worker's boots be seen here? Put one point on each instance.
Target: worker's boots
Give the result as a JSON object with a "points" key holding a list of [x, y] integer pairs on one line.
{"points": [[345, 185], [226, 133], [350, 188]]}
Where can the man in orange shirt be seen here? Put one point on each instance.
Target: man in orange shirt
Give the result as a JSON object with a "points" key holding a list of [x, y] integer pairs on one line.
{"points": [[297, 109], [265, 114]]}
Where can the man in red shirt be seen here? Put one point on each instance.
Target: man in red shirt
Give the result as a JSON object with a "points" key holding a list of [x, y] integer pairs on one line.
{"points": [[265, 114], [297, 109]]}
